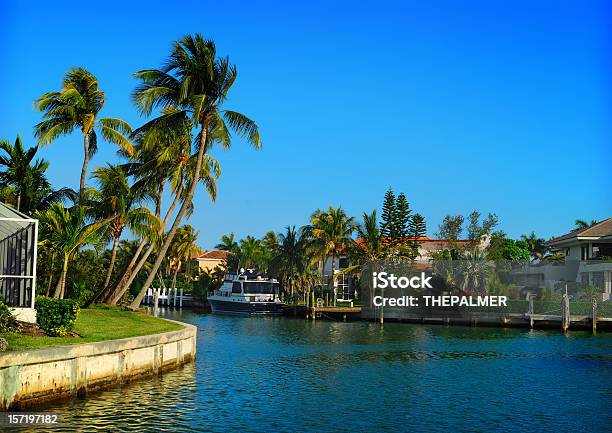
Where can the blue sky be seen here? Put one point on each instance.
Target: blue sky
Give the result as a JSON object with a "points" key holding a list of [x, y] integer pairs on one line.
{"points": [[497, 106]]}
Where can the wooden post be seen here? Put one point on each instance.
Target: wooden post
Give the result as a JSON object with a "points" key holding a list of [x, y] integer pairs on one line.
{"points": [[155, 302], [565, 313], [313, 311], [531, 296], [594, 316]]}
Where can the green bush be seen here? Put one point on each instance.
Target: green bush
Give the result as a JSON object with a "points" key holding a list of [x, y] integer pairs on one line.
{"points": [[8, 322], [56, 316]]}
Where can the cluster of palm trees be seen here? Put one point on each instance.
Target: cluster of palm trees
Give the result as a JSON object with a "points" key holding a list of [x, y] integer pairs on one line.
{"points": [[299, 256], [184, 102]]}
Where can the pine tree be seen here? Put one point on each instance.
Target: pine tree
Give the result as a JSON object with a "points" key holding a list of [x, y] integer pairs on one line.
{"points": [[402, 217], [416, 229], [388, 214]]}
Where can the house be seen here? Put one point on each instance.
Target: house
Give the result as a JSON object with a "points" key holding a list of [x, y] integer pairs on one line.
{"points": [[343, 284], [18, 252], [586, 262], [209, 260], [590, 251]]}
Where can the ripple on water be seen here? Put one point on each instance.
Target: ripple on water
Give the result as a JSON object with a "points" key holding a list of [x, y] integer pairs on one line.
{"points": [[275, 374]]}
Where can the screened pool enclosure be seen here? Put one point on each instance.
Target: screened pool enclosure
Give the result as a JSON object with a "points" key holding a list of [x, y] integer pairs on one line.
{"points": [[18, 242]]}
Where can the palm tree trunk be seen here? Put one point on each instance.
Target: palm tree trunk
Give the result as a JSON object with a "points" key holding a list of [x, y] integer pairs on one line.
{"points": [[128, 270], [162, 253], [129, 275], [18, 201], [59, 290], [109, 272], [84, 169], [174, 277], [331, 281], [51, 275]]}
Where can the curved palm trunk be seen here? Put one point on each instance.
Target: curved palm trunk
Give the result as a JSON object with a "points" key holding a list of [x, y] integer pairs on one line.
{"points": [[109, 273], [85, 163], [162, 253], [128, 270], [129, 276], [59, 290]]}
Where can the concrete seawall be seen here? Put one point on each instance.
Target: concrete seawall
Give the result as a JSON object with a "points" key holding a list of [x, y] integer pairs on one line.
{"points": [[28, 377]]}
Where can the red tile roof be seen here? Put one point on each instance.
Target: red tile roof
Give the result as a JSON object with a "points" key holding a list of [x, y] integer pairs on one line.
{"points": [[213, 255]]}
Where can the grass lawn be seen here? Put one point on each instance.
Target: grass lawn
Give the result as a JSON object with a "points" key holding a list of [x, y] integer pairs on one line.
{"points": [[97, 323]]}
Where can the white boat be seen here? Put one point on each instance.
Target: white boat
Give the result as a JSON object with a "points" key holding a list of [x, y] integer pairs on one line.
{"points": [[247, 293]]}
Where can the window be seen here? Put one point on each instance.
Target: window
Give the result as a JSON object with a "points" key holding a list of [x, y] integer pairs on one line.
{"points": [[584, 253], [344, 263], [255, 287], [236, 287]]}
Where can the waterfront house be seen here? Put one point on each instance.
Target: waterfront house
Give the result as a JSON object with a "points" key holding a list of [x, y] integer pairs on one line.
{"points": [[18, 251], [209, 260], [343, 284], [587, 262]]}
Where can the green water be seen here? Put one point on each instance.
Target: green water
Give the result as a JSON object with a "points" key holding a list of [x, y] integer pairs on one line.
{"points": [[279, 374]]}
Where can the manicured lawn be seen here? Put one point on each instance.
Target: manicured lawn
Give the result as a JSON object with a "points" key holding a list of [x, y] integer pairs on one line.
{"points": [[96, 324]]}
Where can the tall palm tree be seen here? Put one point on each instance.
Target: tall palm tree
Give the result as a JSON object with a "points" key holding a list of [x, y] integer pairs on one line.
{"points": [[291, 259], [330, 232], [183, 246], [196, 82], [65, 232], [77, 106], [118, 202], [160, 158], [23, 181]]}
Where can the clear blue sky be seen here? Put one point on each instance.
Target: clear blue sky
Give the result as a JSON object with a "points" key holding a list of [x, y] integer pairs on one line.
{"points": [[461, 105]]}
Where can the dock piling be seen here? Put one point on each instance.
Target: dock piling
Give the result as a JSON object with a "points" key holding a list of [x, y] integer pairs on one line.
{"points": [[594, 317]]}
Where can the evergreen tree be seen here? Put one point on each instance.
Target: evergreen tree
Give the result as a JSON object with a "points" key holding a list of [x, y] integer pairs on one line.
{"points": [[416, 229], [388, 214], [401, 220]]}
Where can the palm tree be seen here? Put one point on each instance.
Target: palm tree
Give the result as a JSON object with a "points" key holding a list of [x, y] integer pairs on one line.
{"points": [[183, 246], [291, 261], [249, 252], [472, 271], [534, 245], [163, 157], [196, 82], [24, 183], [117, 202], [331, 234], [77, 106], [65, 232], [228, 243], [582, 224]]}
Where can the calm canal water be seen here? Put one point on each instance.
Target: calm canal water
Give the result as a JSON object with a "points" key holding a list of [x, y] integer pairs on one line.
{"points": [[279, 374]]}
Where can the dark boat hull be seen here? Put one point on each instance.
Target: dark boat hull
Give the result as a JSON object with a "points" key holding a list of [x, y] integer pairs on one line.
{"points": [[245, 308]]}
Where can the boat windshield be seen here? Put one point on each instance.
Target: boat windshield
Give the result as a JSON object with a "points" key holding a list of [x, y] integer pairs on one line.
{"points": [[258, 287]]}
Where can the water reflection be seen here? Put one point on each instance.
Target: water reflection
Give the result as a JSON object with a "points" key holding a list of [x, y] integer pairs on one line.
{"points": [[276, 374]]}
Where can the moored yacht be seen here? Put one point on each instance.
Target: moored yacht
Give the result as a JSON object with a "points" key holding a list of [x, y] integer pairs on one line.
{"points": [[247, 293]]}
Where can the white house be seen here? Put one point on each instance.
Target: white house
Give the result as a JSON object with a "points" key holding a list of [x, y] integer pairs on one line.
{"points": [[591, 250], [587, 262]]}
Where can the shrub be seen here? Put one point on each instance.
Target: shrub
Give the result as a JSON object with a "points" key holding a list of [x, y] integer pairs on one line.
{"points": [[56, 316], [8, 322]]}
